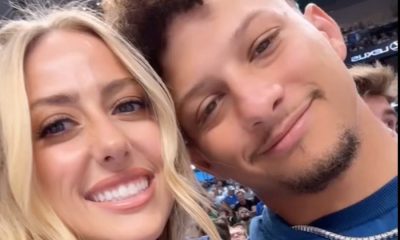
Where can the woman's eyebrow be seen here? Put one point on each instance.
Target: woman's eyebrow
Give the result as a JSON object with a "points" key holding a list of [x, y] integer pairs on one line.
{"points": [[116, 85]]}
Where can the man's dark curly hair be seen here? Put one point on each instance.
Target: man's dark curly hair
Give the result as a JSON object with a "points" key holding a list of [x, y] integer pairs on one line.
{"points": [[145, 23]]}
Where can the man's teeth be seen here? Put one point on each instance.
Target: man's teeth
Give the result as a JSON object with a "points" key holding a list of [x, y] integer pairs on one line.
{"points": [[122, 192]]}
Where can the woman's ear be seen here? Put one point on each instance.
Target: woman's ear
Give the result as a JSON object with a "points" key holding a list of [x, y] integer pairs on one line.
{"points": [[328, 27]]}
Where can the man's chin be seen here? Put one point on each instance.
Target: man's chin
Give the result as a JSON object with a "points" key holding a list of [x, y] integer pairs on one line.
{"points": [[326, 169]]}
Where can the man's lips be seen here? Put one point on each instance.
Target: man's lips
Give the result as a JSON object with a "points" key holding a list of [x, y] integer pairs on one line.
{"points": [[283, 129]]}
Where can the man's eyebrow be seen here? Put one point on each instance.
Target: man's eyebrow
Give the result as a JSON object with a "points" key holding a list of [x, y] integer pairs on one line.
{"points": [[245, 23], [116, 86], [55, 100], [199, 88]]}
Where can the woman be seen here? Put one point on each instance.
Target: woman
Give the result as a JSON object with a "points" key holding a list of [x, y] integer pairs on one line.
{"points": [[90, 147]]}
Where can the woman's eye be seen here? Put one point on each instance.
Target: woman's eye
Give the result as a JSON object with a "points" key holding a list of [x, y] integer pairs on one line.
{"points": [[57, 127], [129, 106]]}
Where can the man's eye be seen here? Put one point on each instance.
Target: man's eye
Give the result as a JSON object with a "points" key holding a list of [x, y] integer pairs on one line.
{"points": [[129, 106], [263, 45], [390, 124], [57, 127], [210, 107], [208, 110]]}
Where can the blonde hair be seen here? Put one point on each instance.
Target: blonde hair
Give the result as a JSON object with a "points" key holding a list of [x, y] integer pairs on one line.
{"points": [[24, 213], [375, 80]]}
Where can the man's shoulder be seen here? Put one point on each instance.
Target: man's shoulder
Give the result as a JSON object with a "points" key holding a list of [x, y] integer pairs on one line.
{"points": [[266, 226], [255, 222], [255, 232]]}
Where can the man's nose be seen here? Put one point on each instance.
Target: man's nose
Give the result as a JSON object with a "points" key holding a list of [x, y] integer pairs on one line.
{"points": [[258, 106]]}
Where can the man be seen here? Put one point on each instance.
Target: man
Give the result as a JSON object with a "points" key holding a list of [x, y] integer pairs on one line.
{"points": [[231, 199], [377, 84], [238, 232], [243, 202], [222, 189], [244, 216], [217, 195], [264, 98]]}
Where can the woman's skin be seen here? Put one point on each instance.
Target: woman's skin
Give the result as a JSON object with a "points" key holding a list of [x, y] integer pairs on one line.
{"points": [[97, 147]]}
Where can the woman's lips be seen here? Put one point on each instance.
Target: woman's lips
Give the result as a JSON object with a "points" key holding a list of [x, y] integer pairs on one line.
{"points": [[123, 192]]}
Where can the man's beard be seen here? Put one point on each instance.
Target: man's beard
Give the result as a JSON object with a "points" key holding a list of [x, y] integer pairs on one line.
{"points": [[327, 169]]}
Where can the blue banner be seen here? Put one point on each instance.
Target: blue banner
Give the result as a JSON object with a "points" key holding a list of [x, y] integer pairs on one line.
{"points": [[203, 176]]}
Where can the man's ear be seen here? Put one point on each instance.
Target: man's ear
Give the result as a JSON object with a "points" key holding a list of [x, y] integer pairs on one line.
{"points": [[201, 161], [328, 27]]}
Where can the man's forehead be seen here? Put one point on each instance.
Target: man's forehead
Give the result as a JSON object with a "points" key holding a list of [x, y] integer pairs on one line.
{"points": [[237, 229], [214, 22], [213, 9], [218, 18]]}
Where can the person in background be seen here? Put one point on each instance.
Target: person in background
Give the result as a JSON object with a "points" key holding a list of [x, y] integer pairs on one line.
{"points": [[249, 194], [220, 193], [228, 215], [222, 189], [231, 199], [377, 85], [243, 202], [238, 232], [244, 216]]}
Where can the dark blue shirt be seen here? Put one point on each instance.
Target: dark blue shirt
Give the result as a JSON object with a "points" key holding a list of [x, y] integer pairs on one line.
{"points": [[374, 215], [231, 200]]}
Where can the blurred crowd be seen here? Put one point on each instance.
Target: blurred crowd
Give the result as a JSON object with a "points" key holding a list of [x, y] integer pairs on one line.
{"points": [[362, 36], [234, 207]]}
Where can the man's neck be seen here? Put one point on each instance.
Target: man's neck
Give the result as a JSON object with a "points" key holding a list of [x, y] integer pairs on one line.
{"points": [[374, 166]]}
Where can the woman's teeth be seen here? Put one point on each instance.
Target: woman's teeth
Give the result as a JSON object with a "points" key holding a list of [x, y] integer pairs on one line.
{"points": [[122, 191]]}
